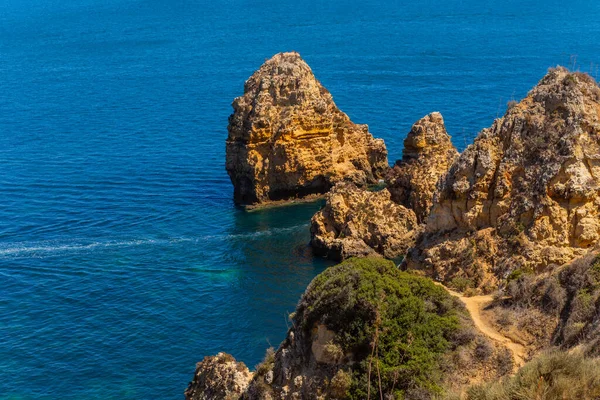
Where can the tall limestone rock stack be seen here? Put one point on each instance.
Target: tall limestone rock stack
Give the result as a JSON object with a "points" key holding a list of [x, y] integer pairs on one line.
{"points": [[288, 139], [526, 194], [427, 156]]}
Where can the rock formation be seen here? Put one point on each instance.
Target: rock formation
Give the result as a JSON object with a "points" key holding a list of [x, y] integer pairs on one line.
{"points": [[219, 378], [427, 155], [526, 194], [519, 209], [288, 139], [357, 222]]}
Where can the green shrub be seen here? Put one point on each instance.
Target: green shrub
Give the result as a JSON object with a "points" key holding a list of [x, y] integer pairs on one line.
{"points": [[461, 284], [340, 384], [333, 351], [267, 363], [518, 273], [395, 324]]}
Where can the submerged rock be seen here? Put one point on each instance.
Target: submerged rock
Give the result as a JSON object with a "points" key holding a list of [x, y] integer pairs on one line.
{"points": [[219, 378], [526, 194], [288, 139], [427, 155], [356, 222]]}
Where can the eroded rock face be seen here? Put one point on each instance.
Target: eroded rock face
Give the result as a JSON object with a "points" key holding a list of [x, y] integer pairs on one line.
{"points": [[306, 366], [356, 222], [217, 378], [288, 139], [427, 155], [526, 194]]}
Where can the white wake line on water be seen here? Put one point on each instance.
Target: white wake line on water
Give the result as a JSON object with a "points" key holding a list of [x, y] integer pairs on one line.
{"points": [[37, 248]]}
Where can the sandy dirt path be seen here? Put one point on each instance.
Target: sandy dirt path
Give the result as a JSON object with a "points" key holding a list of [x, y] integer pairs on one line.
{"points": [[475, 305]]}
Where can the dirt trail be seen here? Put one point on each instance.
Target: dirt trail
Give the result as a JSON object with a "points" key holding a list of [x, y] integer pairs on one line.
{"points": [[475, 305]]}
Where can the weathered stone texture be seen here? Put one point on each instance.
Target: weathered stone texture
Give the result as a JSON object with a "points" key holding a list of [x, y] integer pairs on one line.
{"points": [[356, 222], [427, 155], [288, 139], [526, 194]]}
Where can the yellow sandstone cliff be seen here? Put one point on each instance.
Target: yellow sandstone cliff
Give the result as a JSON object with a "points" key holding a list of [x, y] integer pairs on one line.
{"points": [[526, 194]]}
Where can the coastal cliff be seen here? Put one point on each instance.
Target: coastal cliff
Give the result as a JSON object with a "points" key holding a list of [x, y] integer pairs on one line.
{"points": [[526, 194], [364, 329], [516, 214], [287, 138]]}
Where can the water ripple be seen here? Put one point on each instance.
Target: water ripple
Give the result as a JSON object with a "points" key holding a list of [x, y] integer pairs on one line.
{"points": [[36, 249]]}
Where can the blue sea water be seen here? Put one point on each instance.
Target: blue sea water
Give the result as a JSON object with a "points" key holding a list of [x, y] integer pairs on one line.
{"points": [[123, 260]]}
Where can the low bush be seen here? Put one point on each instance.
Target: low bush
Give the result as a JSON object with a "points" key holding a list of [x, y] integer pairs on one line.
{"points": [[504, 362], [483, 350], [551, 376], [267, 363], [461, 284], [340, 384]]}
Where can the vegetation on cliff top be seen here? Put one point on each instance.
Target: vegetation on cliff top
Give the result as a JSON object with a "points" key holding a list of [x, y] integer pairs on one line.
{"points": [[395, 325]]}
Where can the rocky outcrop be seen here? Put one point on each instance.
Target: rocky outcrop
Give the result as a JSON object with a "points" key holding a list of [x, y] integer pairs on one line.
{"points": [[288, 139], [427, 155], [219, 378], [365, 327], [356, 222], [512, 211], [526, 194]]}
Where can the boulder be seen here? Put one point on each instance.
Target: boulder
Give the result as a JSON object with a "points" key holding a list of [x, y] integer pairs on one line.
{"points": [[356, 222], [219, 378]]}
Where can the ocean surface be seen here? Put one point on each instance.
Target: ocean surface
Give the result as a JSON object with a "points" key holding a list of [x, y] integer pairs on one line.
{"points": [[123, 260]]}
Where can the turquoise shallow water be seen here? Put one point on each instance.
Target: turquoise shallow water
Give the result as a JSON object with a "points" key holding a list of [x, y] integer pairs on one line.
{"points": [[123, 260]]}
